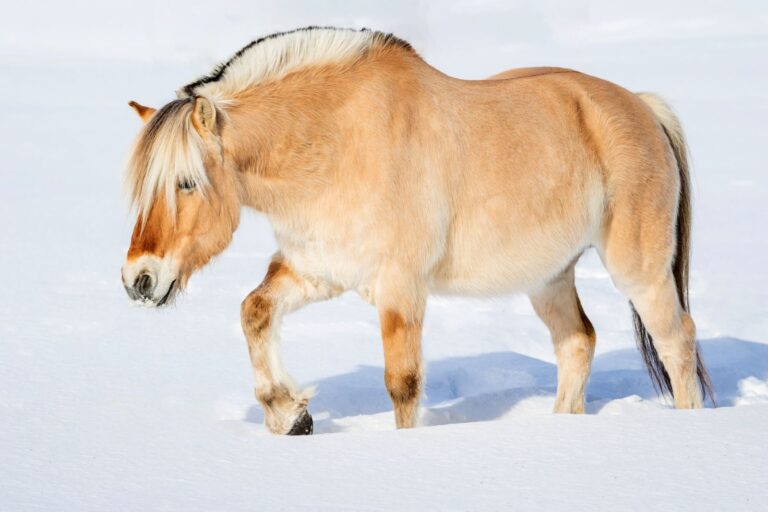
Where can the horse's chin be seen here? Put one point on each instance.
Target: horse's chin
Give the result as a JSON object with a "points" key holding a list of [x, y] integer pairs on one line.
{"points": [[169, 296]]}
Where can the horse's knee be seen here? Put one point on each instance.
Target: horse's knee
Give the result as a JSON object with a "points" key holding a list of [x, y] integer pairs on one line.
{"points": [[403, 386], [256, 313], [677, 345], [689, 328]]}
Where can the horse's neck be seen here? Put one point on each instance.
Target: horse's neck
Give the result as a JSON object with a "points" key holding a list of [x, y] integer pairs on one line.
{"points": [[289, 135]]}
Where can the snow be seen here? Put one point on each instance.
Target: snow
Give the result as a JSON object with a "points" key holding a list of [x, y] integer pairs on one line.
{"points": [[108, 406]]}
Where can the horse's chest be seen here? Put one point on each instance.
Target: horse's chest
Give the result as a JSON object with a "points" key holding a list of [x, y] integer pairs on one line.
{"points": [[329, 254]]}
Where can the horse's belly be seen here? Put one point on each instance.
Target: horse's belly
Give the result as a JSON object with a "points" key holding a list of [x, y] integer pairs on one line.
{"points": [[514, 257], [514, 268], [483, 274]]}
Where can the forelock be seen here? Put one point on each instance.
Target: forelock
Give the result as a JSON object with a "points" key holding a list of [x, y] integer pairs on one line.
{"points": [[167, 150]]}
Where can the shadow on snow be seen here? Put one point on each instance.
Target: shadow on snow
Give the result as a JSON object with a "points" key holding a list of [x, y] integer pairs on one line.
{"points": [[484, 387]]}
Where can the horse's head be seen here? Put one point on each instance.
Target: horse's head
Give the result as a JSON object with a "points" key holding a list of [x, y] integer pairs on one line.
{"points": [[186, 198]]}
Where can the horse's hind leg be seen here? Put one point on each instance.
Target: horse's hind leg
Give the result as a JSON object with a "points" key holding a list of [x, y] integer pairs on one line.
{"points": [[638, 250], [558, 306], [672, 330], [281, 291]]}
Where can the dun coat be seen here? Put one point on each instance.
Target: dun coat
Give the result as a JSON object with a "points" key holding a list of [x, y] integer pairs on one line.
{"points": [[382, 175]]}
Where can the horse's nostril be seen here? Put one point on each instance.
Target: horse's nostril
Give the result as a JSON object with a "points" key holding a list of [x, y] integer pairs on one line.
{"points": [[143, 285]]}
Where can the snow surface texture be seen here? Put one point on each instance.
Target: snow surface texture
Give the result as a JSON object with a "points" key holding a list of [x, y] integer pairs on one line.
{"points": [[106, 406]]}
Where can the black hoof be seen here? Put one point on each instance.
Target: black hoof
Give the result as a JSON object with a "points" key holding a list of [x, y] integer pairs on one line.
{"points": [[302, 426]]}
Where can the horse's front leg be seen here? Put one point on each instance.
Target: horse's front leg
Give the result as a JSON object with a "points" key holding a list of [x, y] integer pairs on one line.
{"points": [[400, 301], [281, 291]]}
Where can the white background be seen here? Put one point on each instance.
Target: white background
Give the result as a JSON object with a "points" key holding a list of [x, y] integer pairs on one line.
{"points": [[105, 406]]}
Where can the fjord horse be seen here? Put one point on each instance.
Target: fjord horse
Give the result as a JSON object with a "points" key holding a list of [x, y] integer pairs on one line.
{"points": [[380, 174]]}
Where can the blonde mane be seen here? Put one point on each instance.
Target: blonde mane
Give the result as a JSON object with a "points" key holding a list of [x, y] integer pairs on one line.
{"points": [[273, 57], [169, 150]]}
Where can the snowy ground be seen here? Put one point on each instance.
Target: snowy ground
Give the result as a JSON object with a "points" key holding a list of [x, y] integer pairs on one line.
{"points": [[105, 406]]}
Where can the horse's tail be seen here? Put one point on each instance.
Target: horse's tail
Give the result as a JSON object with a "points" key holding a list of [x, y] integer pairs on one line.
{"points": [[674, 132]]}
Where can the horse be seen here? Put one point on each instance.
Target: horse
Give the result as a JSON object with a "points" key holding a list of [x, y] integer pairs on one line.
{"points": [[380, 174]]}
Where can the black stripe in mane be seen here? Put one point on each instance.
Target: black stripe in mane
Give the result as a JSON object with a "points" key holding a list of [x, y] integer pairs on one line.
{"points": [[384, 39]]}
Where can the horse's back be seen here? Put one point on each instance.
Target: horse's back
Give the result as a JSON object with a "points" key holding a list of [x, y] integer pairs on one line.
{"points": [[528, 72], [548, 151]]}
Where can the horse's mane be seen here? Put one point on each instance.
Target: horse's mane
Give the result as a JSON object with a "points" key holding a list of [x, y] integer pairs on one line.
{"points": [[169, 150], [275, 56]]}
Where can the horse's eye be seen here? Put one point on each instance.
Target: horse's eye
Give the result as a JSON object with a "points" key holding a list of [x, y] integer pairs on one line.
{"points": [[187, 185]]}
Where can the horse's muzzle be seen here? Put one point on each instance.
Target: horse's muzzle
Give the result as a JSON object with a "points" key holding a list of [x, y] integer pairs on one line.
{"points": [[144, 290]]}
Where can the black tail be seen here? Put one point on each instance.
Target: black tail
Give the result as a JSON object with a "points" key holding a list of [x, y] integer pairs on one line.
{"points": [[674, 132]]}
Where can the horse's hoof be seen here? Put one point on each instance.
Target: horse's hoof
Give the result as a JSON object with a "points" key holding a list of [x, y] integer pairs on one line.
{"points": [[302, 426]]}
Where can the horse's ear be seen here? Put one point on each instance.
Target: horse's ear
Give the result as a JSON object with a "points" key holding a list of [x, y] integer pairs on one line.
{"points": [[145, 113], [204, 116]]}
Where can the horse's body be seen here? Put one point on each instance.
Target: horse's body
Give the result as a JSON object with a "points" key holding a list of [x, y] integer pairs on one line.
{"points": [[382, 175]]}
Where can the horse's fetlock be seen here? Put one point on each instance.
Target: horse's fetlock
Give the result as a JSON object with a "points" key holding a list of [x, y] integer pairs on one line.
{"points": [[274, 396]]}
